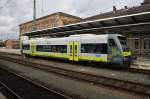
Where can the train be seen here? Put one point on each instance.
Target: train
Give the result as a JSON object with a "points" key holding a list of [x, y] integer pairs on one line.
{"points": [[104, 48]]}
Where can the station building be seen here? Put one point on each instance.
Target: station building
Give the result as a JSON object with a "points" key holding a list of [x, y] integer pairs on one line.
{"points": [[12, 44], [49, 21]]}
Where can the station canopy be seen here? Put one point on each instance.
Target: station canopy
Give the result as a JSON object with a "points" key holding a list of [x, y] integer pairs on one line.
{"points": [[133, 23]]}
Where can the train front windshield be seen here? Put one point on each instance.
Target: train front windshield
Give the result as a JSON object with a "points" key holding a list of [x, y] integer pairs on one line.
{"points": [[123, 42]]}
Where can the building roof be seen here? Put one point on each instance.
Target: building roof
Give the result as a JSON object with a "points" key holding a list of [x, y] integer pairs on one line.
{"points": [[57, 13], [128, 23], [121, 12]]}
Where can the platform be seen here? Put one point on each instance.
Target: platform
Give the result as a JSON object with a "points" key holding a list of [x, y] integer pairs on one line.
{"points": [[15, 51], [142, 63]]}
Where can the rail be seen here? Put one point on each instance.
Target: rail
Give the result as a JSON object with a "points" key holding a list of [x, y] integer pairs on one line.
{"points": [[124, 85], [23, 88]]}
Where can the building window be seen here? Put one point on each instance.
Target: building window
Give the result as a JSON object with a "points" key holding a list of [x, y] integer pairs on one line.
{"points": [[144, 44], [149, 41], [136, 44], [149, 44]]}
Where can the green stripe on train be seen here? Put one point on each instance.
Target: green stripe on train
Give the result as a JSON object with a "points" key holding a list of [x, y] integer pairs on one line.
{"points": [[93, 58], [127, 53], [57, 55], [61, 55]]}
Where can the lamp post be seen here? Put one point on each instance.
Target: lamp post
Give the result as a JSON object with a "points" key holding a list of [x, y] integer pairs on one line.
{"points": [[34, 15]]}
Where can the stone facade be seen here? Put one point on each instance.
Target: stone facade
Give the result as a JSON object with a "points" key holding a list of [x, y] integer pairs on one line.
{"points": [[12, 44], [140, 44], [49, 21]]}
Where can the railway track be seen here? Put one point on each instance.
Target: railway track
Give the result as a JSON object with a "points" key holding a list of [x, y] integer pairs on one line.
{"points": [[131, 70], [14, 86], [132, 87], [7, 92]]}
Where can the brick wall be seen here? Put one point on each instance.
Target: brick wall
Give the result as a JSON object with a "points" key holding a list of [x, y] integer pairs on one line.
{"points": [[12, 44], [53, 20]]}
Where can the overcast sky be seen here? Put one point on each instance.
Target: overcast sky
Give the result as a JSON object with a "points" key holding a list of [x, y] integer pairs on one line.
{"points": [[14, 12]]}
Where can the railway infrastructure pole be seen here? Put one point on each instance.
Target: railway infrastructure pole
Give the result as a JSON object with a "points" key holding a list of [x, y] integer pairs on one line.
{"points": [[34, 15]]}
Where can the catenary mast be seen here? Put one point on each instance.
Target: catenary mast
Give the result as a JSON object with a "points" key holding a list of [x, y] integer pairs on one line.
{"points": [[34, 15]]}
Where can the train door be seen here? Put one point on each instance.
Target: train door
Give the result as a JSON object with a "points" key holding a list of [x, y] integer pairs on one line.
{"points": [[33, 49], [76, 51], [73, 51]]}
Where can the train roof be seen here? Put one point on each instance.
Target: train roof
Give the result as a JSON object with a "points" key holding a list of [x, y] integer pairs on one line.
{"points": [[73, 36], [94, 35]]}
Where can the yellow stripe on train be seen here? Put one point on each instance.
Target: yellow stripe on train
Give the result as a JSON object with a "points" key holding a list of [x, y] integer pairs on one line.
{"points": [[127, 53]]}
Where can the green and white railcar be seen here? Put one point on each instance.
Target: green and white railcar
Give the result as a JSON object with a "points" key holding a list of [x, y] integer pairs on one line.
{"points": [[108, 48]]}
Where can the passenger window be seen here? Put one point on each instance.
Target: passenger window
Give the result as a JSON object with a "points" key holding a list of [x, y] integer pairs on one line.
{"points": [[112, 43], [26, 47], [70, 47], [83, 48], [75, 47], [52, 48], [97, 48]]}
